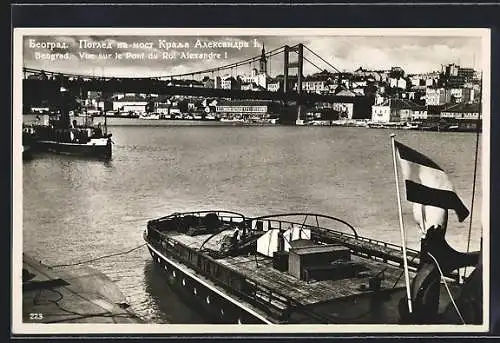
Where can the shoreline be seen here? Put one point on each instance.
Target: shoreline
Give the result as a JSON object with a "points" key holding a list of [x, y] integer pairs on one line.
{"points": [[30, 119]]}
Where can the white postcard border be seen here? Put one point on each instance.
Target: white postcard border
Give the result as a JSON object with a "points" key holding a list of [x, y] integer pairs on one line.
{"points": [[18, 327]]}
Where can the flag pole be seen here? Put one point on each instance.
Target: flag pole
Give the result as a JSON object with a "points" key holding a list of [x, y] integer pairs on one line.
{"points": [[401, 226]]}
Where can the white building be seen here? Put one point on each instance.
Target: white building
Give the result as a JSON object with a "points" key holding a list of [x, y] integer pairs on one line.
{"points": [[217, 82], [230, 82], [273, 86], [252, 86], [437, 96], [397, 110], [462, 94], [382, 113], [130, 103], [242, 107], [397, 83]]}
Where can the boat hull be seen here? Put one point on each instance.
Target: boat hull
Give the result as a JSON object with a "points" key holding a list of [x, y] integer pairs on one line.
{"points": [[97, 148], [217, 305], [27, 152]]}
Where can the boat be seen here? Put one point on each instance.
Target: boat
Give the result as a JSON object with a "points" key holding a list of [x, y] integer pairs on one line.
{"points": [[300, 268], [309, 268], [58, 134], [232, 120], [410, 126], [149, 116], [27, 141], [388, 125]]}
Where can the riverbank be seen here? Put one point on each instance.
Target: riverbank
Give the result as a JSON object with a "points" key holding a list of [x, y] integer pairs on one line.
{"points": [[464, 126], [30, 119], [79, 295]]}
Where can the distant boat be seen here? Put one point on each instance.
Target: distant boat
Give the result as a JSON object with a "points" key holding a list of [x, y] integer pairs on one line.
{"points": [[149, 116], [59, 135], [26, 151], [81, 141], [232, 120], [410, 126]]}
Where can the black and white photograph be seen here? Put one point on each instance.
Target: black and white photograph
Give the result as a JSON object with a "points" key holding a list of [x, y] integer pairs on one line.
{"points": [[251, 180]]}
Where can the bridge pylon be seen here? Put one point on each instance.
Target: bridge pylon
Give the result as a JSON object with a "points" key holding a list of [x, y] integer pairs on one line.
{"points": [[299, 65]]}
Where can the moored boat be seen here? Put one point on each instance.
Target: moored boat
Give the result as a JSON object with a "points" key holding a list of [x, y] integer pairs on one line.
{"points": [[27, 141], [59, 135], [296, 268], [87, 141]]}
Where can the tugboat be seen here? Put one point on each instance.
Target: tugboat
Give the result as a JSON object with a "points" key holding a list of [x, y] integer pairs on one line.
{"points": [[62, 136], [308, 268]]}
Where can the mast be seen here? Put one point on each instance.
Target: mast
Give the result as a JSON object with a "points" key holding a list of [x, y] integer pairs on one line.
{"points": [[64, 120], [402, 230], [478, 130], [105, 122]]}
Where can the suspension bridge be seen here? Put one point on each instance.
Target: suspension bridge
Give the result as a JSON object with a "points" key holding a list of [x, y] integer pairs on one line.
{"points": [[291, 91]]}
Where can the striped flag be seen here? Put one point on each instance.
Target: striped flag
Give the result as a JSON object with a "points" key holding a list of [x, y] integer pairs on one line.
{"points": [[428, 186]]}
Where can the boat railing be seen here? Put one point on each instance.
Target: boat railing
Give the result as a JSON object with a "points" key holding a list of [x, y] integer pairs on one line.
{"points": [[364, 246], [241, 285], [280, 224], [275, 222], [372, 248], [225, 216], [339, 231]]}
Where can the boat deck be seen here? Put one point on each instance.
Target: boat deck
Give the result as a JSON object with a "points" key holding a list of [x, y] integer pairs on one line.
{"points": [[259, 269]]}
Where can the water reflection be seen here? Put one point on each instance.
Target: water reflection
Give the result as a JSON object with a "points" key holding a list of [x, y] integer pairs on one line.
{"points": [[167, 305]]}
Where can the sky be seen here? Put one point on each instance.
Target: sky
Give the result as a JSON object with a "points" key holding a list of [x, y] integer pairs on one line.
{"points": [[415, 54]]}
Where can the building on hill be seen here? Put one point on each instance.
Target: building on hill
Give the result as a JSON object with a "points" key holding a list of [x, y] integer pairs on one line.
{"points": [[398, 110], [251, 86], [437, 96], [230, 82]]}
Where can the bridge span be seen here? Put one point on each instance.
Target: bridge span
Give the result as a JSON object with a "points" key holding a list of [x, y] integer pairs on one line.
{"points": [[46, 84]]}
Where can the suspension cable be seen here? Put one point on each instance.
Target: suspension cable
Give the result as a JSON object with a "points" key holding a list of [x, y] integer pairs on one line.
{"points": [[312, 64], [321, 58], [235, 64], [229, 66]]}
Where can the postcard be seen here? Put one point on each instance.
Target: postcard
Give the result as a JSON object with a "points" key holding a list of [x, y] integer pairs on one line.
{"points": [[244, 180]]}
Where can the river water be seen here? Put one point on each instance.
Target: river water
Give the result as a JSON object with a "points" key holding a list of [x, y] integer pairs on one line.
{"points": [[75, 209]]}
